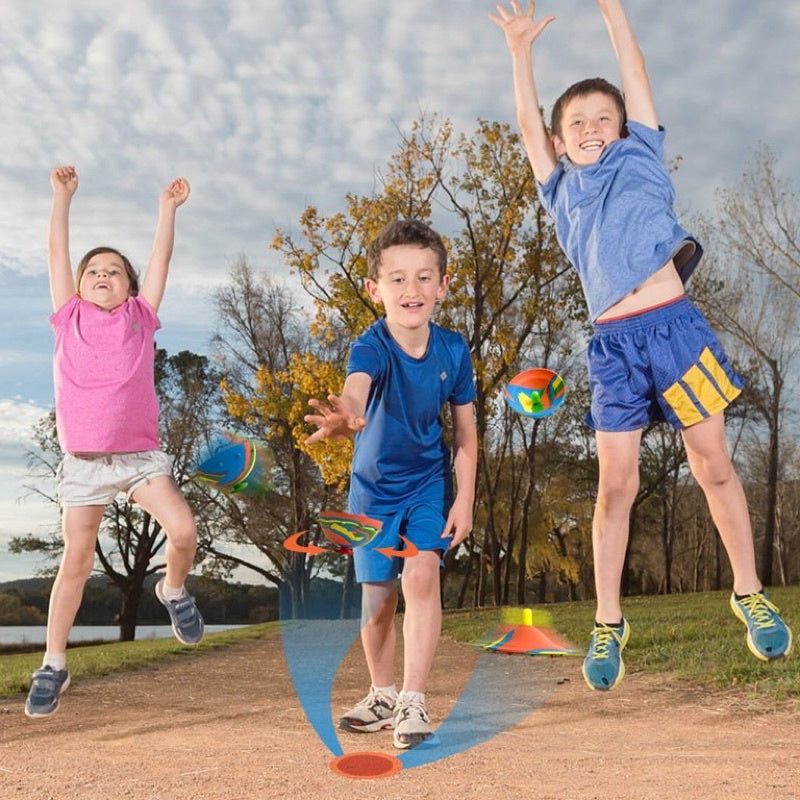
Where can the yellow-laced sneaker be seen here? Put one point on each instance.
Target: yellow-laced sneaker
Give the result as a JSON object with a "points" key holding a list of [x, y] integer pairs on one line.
{"points": [[603, 667], [768, 636]]}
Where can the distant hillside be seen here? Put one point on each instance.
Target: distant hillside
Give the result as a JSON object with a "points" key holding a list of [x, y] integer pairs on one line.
{"points": [[24, 601], [221, 602]]}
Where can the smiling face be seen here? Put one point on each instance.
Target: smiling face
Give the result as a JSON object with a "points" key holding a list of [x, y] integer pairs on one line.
{"points": [[589, 123], [104, 280], [409, 285]]}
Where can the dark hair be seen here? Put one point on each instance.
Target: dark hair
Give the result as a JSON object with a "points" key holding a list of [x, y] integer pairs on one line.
{"points": [[581, 89], [401, 232], [133, 277]]}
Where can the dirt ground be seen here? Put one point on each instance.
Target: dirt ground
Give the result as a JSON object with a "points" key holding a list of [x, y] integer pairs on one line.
{"points": [[227, 725]]}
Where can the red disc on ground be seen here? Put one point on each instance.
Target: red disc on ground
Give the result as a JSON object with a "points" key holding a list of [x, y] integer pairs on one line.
{"points": [[366, 765]]}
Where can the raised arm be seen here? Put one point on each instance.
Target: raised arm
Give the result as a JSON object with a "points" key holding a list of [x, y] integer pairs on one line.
{"points": [[344, 416], [64, 181], [521, 31], [639, 103], [155, 278]]}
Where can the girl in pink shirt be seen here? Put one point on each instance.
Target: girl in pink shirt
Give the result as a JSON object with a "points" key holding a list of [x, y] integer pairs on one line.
{"points": [[107, 422]]}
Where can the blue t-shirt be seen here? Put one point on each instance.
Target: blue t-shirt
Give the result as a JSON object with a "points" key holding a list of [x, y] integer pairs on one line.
{"points": [[400, 456], [615, 219]]}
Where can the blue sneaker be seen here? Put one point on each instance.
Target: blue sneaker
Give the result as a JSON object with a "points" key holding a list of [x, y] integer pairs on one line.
{"points": [[768, 636], [603, 667], [187, 623], [45, 693]]}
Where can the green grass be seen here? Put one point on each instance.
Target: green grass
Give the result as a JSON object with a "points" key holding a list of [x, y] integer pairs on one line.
{"points": [[16, 669], [690, 637]]}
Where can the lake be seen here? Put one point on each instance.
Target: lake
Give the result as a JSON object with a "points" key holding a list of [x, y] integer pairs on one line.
{"points": [[36, 634]]}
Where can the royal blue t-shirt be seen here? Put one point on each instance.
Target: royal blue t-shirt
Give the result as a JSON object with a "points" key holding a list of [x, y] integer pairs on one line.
{"points": [[400, 456], [615, 218]]}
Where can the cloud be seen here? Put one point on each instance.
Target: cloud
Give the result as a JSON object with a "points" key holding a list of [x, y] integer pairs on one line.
{"points": [[17, 420]]}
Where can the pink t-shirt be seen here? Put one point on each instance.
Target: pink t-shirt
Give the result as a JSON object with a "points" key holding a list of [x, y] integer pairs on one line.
{"points": [[103, 375]]}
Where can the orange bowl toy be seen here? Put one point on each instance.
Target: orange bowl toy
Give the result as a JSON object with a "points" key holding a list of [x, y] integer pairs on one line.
{"points": [[535, 392]]}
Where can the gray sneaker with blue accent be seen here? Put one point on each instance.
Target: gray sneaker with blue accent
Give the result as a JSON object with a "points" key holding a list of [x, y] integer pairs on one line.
{"points": [[45, 692], [187, 623]]}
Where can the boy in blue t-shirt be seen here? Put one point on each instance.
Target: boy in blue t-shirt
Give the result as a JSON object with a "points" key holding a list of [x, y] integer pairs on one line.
{"points": [[652, 356], [401, 372]]}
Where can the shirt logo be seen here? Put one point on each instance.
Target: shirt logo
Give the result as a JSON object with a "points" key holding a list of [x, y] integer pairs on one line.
{"points": [[443, 375]]}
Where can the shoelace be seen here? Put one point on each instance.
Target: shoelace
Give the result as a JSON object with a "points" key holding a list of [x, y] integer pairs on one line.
{"points": [[603, 636], [760, 609], [411, 708], [375, 699]]}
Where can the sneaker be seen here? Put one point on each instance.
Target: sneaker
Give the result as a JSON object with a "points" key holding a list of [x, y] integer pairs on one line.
{"points": [[187, 624], [374, 713], [45, 693], [603, 667], [411, 724], [768, 636]]}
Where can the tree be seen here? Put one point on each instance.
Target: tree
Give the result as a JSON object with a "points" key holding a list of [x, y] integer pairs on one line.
{"points": [[272, 366], [758, 221], [755, 238]]}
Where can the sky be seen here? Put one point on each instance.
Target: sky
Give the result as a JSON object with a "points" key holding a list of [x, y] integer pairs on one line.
{"points": [[268, 107]]}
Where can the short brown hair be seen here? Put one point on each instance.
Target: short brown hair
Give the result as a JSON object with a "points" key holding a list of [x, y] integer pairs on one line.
{"points": [[581, 89], [133, 276], [400, 232]]}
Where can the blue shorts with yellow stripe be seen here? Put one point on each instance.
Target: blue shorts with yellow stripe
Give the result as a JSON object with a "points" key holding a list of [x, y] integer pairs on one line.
{"points": [[663, 364]]}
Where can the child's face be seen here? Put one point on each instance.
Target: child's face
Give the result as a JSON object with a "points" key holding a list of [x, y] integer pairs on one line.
{"points": [[105, 281], [589, 124], [408, 285]]}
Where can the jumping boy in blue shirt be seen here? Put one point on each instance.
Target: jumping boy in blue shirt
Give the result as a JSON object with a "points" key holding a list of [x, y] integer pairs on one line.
{"points": [[652, 356], [401, 372]]}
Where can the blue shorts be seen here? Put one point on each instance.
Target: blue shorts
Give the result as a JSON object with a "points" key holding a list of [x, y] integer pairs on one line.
{"points": [[663, 364], [422, 524]]}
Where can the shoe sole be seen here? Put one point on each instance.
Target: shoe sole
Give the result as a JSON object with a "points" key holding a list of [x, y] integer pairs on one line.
{"points": [[620, 674], [750, 643], [369, 727], [38, 715], [175, 629]]}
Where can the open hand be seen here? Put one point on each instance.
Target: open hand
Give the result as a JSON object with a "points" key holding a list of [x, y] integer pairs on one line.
{"points": [[333, 421]]}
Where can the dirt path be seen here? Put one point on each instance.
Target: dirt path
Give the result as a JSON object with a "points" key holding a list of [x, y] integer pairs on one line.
{"points": [[227, 725]]}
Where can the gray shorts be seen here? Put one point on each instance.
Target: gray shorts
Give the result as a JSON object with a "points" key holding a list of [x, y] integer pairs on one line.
{"points": [[95, 479]]}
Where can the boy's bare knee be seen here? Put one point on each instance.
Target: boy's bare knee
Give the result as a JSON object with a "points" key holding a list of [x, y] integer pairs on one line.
{"points": [[713, 474], [619, 490], [422, 578]]}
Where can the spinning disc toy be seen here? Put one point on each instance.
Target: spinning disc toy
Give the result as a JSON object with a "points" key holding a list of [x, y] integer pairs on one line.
{"points": [[235, 465], [535, 392], [348, 530]]}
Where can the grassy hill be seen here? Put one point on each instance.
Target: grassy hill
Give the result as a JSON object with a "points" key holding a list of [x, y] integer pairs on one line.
{"points": [[689, 637]]}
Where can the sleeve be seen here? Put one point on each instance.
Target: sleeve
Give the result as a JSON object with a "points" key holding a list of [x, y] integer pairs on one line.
{"points": [[364, 357], [147, 311], [464, 388], [651, 138], [60, 317], [547, 190]]}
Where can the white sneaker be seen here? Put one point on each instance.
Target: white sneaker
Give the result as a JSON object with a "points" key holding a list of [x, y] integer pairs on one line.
{"points": [[374, 713], [411, 724]]}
